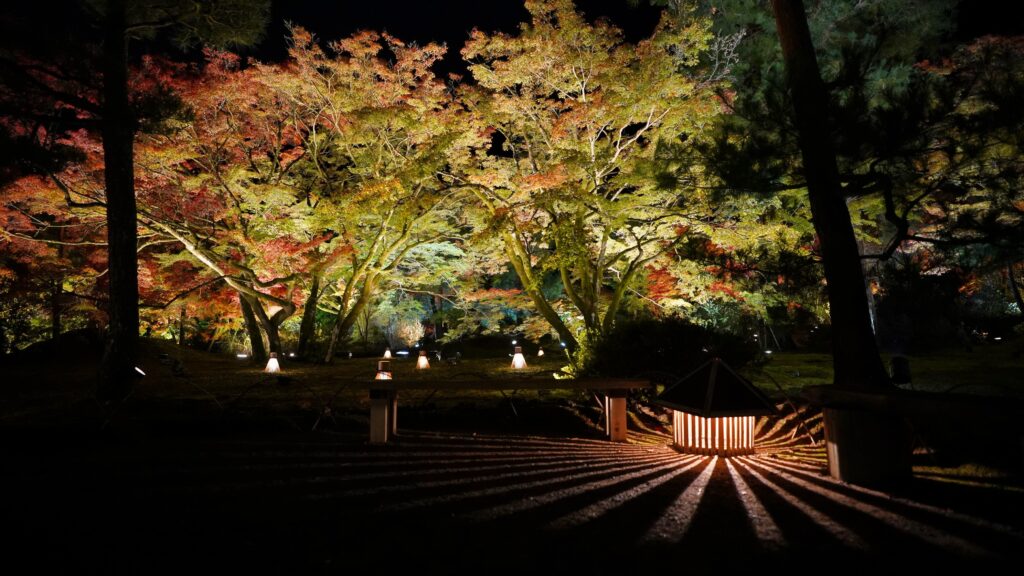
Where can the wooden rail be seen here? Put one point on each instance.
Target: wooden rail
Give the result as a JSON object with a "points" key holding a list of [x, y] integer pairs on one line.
{"points": [[384, 398]]}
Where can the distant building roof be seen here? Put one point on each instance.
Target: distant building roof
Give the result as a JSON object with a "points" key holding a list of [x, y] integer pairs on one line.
{"points": [[715, 390]]}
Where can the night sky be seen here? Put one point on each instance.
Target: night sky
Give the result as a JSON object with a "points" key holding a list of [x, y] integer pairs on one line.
{"points": [[450, 21]]}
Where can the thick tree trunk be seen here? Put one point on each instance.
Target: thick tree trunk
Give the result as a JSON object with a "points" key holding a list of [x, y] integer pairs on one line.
{"points": [[56, 293], [308, 326], [181, 326], [252, 327], [117, 373], [855, 354], [269, 325], [273, 336], [534, 292], [347, 318], [1015, 288]]}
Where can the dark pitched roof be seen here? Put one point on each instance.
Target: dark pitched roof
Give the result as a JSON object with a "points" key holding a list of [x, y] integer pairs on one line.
{"points": [[714, 390]]}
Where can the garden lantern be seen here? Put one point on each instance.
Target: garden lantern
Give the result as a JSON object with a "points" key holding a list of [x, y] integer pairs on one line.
{"points": [[387, 353], [518, 360], [383, 370], [273, 366], [422, 363], [714, 410]]}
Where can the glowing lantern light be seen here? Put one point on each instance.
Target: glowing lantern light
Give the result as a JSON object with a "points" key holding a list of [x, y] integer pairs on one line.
{"points": [[383, 370], [714, 410], [518, 360], [387, 353], [540, 352], [273, 366], [422, 363]]}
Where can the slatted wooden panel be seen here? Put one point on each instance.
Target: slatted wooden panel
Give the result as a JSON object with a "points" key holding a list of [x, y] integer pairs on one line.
{"points": [[728, 436]]}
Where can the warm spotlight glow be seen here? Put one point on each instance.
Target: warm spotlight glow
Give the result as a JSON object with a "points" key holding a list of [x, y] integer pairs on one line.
{"points": [[422, 363], [518, 360], [383, 370], [387, 353], [540, 352], [273, 365], [725, 436]]}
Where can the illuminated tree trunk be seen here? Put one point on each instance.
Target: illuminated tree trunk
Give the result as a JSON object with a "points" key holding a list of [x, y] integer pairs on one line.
{"points": [[856, 360], [308, 326], [347, 316], [117, 371], [252, 327], [520, 261], [269, 324]]}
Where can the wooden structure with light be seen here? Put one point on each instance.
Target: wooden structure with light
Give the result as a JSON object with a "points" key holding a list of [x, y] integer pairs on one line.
{"points": [[714, 410], [518, 360], [383, 407], [273, 366]]}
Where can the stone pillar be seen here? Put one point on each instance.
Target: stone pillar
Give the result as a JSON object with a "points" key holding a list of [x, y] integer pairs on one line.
{"points": [[615, 416], [383, 409], [393, 414]]}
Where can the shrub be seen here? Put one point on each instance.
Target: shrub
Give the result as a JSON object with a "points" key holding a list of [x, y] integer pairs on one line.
{"points": [[668, 346]]}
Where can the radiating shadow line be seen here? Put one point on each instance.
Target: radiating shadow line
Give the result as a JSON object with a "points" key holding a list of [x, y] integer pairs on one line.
{"points": [[764, 525], [414, 480], [623, 473], [563, 475], [798, 464], [384, 454], [214, 467], [673, 523], [944, 513], [762, 435], [598, 509], [832, 527], [926, 532], [531, 465]]}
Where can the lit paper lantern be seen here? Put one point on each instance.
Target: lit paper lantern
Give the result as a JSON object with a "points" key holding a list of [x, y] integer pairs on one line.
{"points": [[518, 360], [383, 370], [387, 353], [714, 410], [540, 352], [273, 366], [422, 363]]}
